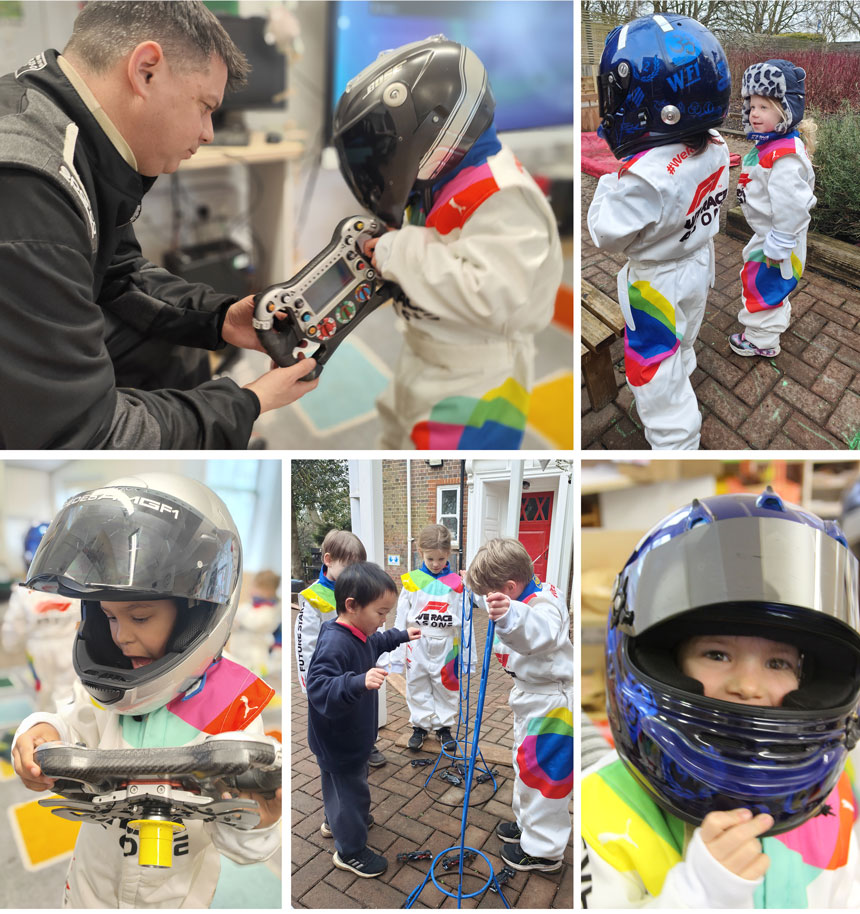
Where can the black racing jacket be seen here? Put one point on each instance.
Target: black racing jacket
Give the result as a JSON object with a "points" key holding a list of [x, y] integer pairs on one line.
{"points": [[72, 277]]}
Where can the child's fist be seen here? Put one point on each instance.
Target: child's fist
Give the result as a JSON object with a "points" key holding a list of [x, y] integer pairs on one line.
{"points": [[497, 605], [270, 807], [23, 760], [732, 839], [414, 633], [374, 678]]}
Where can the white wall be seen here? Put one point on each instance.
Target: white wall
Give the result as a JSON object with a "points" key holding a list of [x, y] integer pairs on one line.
{"points": [[30, 495]]}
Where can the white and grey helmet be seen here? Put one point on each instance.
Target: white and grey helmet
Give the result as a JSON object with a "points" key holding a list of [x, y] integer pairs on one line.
{"points": [[148, 537], [408, 119]]}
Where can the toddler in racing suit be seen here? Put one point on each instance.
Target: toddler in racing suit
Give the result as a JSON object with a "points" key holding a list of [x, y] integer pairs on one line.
{"points": [[44, 625], [728, 786], [479, 261], [151, 673], [533, 645], [664, 83], [316, 603], [775, 191], [431, 599]]}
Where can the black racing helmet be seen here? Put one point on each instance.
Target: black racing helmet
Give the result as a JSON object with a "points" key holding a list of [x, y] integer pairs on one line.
{"points": [[408, 119]]}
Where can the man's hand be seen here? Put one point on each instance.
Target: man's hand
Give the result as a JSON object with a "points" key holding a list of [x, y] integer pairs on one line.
{"points": [[497, 605], [414, 633], [238, 329], [732, 839], [281, 386], [270, 809], [22, 756], [374, 678]]}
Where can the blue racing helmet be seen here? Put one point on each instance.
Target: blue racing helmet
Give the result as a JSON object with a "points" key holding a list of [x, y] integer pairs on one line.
{"points": [[32, 538], [736, 565], [662, 79]]}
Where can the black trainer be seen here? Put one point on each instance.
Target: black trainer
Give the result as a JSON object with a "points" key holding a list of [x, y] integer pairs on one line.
{"points": [[377, 759], [449, 744], [365, 863], [514, 856], [509, 832], [416, 741], [325, 828]]}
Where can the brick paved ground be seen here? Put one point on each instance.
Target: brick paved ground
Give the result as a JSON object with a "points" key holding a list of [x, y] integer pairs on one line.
{"points": [[807, 397], [409, 819]]}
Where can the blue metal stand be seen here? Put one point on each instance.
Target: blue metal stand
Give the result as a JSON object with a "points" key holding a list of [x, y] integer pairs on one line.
{"points": [[464, 672], [470, 768]]}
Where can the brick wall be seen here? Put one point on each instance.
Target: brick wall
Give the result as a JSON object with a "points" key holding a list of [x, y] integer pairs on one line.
{"points": [[425, 481]]}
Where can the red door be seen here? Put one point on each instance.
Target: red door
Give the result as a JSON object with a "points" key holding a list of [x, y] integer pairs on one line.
{"points": [[535, 524]]}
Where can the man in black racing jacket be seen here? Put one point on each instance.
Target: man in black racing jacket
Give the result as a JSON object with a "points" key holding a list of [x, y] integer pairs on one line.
{"points": [[83, 136]]}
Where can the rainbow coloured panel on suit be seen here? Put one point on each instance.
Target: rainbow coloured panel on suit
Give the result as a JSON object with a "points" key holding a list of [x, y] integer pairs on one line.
{"points": [[653, 338], [496, 421], [764, 286]]}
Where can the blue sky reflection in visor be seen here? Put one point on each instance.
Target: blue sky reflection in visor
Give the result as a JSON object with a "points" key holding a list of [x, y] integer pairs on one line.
{"points": [[135, 540]]}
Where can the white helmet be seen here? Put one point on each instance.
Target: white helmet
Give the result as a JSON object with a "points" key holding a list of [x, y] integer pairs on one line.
{"points": [[149, 537]]}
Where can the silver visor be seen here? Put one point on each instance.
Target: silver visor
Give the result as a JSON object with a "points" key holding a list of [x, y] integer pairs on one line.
{"points": [[743, 560], [131, 541]]}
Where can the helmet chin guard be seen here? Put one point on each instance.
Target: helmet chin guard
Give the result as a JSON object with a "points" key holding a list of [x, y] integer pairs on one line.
{"points": [[151, 537], [736, 565]]}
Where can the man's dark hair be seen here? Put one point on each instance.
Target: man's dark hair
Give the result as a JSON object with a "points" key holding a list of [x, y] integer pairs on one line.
{"points": [[364, 582], [189, 34]]}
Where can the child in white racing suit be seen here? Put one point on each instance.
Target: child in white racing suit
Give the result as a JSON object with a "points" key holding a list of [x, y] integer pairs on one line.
{"points": [[316, 603], [431, 599], [775, 191], [155, 617], [533, 645], [732, 695], [664, 83], [44, 625], [480, 260], [253, 634]]}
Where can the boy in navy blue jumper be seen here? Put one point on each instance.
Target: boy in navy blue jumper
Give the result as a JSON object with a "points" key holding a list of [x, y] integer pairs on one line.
{"points": [[342, 709]]}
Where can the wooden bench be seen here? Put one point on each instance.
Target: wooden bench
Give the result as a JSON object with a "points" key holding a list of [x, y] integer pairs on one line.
{"points": [[601, 324]]}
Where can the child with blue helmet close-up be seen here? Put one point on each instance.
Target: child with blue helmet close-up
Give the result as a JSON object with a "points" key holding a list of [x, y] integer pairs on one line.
{"points": [[775, 191], [664, 87], [733, 682]]}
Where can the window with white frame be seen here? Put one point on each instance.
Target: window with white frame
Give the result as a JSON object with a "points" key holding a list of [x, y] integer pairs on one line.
{"points": [[448, 511]]}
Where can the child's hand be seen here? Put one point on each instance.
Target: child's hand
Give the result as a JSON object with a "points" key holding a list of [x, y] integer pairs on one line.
{"points": [[732, 839], [270, 808], [414, 633], [374, 678], [369, 248], [497, 605], [22, 756]]}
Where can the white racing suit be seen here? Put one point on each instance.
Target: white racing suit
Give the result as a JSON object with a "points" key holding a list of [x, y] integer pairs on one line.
{"points": [[481, 276], [316, 605], [44, 625], [104, 872], [775, 193], [432, 603], [533, 645], [253, 634], [661, 209]]}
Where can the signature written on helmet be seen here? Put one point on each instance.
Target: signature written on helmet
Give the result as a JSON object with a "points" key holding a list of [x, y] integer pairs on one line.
{"points": [[140, 500]]}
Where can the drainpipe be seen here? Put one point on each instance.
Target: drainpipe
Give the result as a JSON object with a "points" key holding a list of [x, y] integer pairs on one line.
{"points": [[408, 514]]}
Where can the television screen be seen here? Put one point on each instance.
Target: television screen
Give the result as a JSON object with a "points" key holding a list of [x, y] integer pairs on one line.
{"points": [[267, 82], [526, 46]]}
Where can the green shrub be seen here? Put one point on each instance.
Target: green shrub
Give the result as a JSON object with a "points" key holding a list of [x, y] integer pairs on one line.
{"points": [[837, 187], [803, 36]]}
